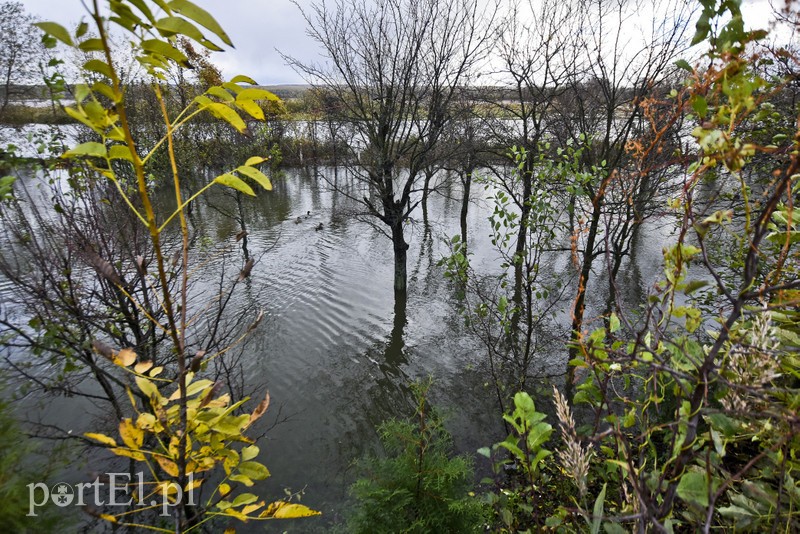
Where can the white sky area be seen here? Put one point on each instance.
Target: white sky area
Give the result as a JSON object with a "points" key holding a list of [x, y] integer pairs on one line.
{"points": [[259, 27]]}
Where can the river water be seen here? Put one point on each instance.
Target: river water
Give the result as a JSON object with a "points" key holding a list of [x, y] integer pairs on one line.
{"points": [[333, 354], [335, 360]]}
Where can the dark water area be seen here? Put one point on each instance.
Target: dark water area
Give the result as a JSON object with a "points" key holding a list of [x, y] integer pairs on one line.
{"points": [[335, 352]]}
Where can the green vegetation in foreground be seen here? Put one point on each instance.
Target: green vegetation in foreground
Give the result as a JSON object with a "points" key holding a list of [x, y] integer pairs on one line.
{"points": [[416, 486], [18, 468]]}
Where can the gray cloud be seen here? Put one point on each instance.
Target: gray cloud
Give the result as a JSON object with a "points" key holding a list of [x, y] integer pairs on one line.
{"points": [[257, 28]]}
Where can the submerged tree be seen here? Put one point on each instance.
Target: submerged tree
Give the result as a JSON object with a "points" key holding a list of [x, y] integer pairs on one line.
{"points": [[622, 62], [689, 400], [394, 69], [117, 304], [21, 51]]}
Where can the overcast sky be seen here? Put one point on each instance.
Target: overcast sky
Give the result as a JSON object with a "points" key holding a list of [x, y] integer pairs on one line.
{"points": [[258, 27]]}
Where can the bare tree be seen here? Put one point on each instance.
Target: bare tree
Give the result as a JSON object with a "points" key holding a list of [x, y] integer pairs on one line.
{"points": [[20, 46], [624, 60], [394, 67], [538, 53]]}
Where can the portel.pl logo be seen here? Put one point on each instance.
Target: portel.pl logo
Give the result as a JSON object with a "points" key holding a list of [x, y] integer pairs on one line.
{"points": [[115, 489]]}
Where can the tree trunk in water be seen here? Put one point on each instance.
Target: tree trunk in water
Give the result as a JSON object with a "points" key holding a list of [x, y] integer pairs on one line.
{"points": [[425, 190], [522, 238], [465, 207], [400, 254], [580, 298]]}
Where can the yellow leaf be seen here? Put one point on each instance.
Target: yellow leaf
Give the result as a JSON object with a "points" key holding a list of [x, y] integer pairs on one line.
{"points": [[220, 402], [194, 484], [142, 367], [234, 183], [230, 530], [169, 467], [148, 388], [235, 513], [166, 487], [243, 479], [250, 508], [132, 436], [155, 371], [102, 438], [125, 357], [241, 78], [198, 386], [254, 93], [244, 499], [224, 489], [146, 421], [109, 518], [221, 111], [136, 455], [255, 160], [251, 108], [255, 175], [291, 511]]}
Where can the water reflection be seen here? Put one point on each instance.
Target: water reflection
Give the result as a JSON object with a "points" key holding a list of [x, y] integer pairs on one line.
{"points": [[337, 350]]}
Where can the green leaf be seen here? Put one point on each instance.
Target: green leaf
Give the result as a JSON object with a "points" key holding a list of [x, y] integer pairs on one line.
{"points": [[196, 387], [120, 152], [683, 64], [614, 528], [700, 105], [253, 470], [248, 453], [244, 498], [597, 512], [693, 488], [255, 175], [6, 186], [56, 30], [200, 16], [142, 6], [163, 48], [81, 117], [613, 322], [101, 67], [93, 149], [107, 91], [235, 183], [701, 29], [91, 45], [694, 285], [170, 26]]}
